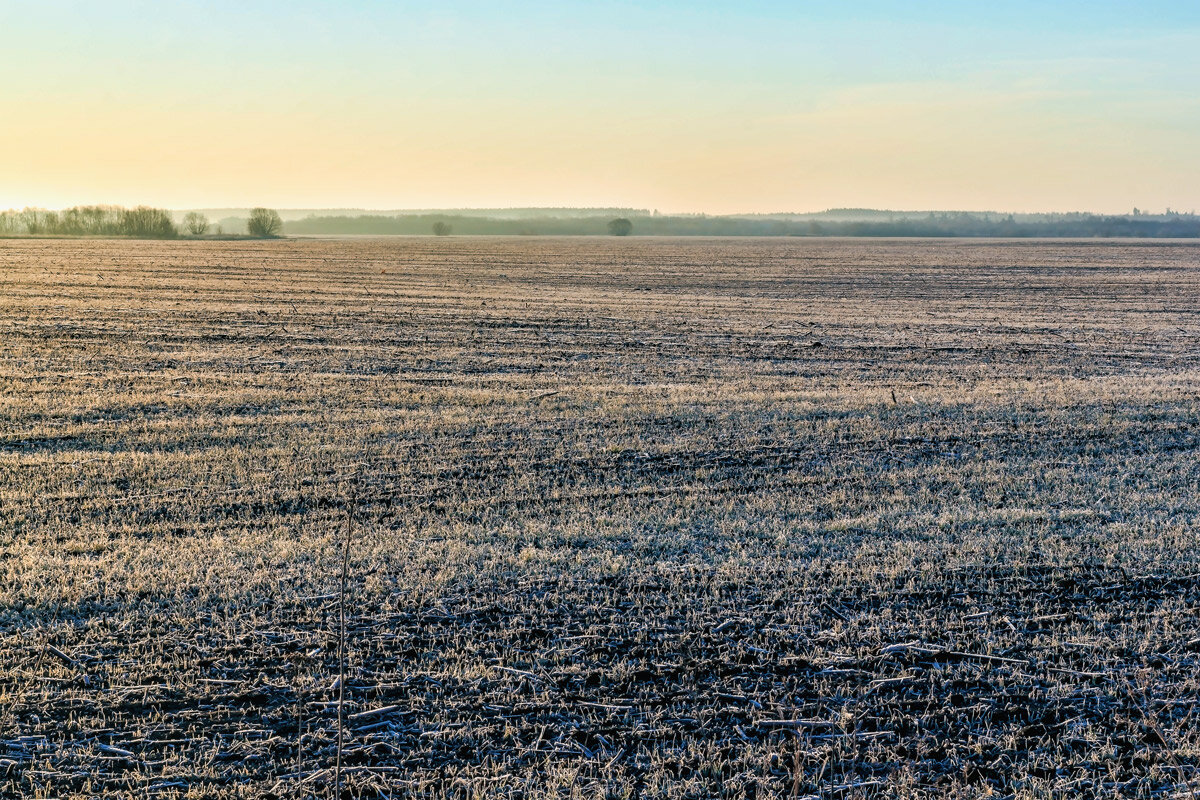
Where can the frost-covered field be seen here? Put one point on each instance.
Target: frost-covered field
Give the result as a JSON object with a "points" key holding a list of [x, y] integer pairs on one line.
{"points": [[629, 517]]}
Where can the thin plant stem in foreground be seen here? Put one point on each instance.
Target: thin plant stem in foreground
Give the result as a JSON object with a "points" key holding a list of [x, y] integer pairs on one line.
{"points": [[341, 681]]}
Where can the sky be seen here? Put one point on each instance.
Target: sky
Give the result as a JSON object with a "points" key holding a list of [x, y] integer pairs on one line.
{"points": [[718, 107]]}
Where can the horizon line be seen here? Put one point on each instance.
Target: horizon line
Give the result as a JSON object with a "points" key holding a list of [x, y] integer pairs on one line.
{"points": [[1143, 211]]}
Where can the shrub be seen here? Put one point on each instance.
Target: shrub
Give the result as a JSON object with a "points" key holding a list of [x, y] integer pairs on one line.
{"points": [[620, 227], [264, 222]]}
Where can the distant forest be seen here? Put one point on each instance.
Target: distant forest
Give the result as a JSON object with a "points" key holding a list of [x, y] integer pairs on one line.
{"points": [[146, 222], [140, 222], [839, 222]]}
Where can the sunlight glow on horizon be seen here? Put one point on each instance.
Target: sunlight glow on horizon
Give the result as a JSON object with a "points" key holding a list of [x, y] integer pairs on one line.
{"points": [[752, 107]]}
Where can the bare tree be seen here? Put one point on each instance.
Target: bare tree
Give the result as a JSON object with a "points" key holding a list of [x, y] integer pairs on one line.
{"points": [[195, 223], [264, 222], [441, 229]]}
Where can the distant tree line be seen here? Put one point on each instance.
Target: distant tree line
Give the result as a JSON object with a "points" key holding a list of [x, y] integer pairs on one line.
{"points": [[142, 222], [878, 224], [157, 223]]}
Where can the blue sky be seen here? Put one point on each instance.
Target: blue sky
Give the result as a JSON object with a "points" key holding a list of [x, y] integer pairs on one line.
{"points": [[751, 106]]}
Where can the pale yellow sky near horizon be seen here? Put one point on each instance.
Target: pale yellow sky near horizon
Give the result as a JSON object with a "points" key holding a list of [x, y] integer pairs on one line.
{"points": [[762, 109]]}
